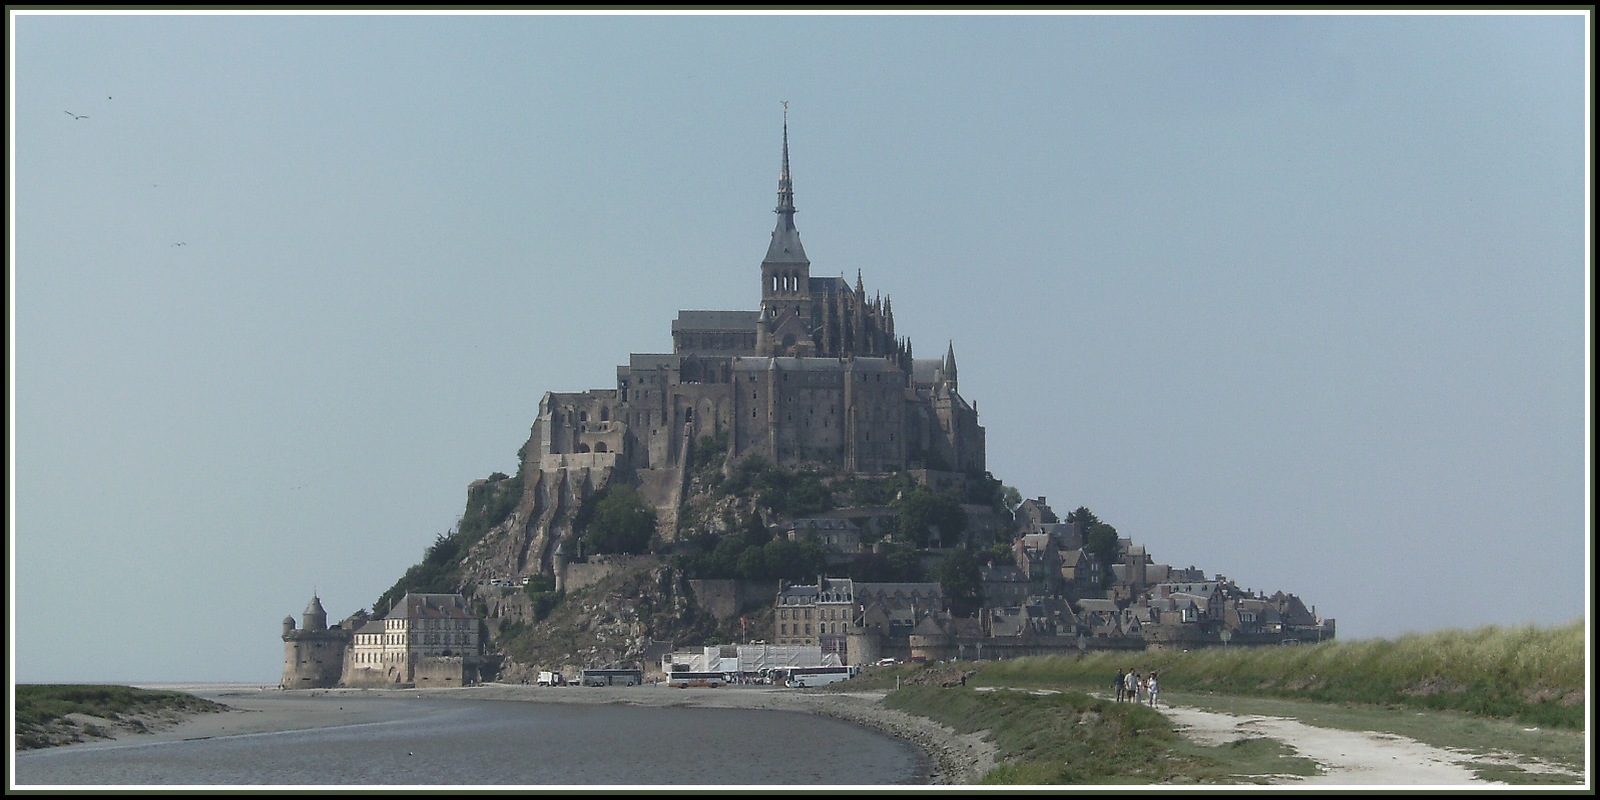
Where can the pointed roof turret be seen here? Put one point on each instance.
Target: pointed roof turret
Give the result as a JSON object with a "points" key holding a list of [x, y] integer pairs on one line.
{"points": [[315, 618], [785, 247], [950, 364]]}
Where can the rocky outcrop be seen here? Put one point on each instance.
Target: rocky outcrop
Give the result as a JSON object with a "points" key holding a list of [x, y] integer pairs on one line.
{"points": [[625, 609], [524, 543]]}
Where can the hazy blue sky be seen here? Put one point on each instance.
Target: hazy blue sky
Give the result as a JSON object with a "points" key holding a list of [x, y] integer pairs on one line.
{"points": [[1298, 299]]}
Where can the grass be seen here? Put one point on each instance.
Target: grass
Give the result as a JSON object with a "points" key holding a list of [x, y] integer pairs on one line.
{"points": [[42, 710], [1527, 674], [1074, 738], [1511, 697]]}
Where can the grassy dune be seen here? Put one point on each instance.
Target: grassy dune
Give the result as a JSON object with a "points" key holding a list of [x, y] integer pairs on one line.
{"points": [[1527, 674], [56, 713], [1461, 689]]}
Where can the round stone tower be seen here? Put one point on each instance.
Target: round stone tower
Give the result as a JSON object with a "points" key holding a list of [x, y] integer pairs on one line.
{"points": [[314, 618], [313, 657]]}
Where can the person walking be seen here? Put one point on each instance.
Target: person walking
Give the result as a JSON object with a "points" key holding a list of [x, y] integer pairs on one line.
{"points": [[1153, 688], [1133, 686], [1121, 686]]}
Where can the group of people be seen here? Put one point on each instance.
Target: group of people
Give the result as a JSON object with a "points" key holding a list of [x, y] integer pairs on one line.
{"points": [[1132, 688]]}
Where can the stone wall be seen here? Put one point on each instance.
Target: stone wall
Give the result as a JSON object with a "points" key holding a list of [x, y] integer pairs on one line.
{"points": [[582, 574], [374, 677], [313, 659], [439, 671], [725, 598]]}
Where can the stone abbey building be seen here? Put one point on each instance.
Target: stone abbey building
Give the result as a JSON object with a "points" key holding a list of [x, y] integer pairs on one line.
{"points": [[816, 377]]}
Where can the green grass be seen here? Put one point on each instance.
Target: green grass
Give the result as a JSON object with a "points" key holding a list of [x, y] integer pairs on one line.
{"points": [[1513, 697], [41, 706], [1074, 738], [1528, 674]]}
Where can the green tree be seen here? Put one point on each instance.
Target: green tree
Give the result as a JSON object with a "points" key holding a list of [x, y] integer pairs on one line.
{"points": [[962, 581], [793, 561], [1103, 548], [998, 553], [623, 523], [921, 511], [905, 564], [1010, 497], [1085, 517]]}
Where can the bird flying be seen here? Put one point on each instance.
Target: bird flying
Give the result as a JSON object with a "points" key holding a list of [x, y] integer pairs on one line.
{"points": [[76, 116]]}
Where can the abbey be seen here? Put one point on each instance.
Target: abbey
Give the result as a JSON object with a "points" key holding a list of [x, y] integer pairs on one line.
{"points": [[815, 377]]}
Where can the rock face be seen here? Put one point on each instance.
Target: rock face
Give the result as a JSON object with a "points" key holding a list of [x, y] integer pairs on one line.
{"points": [[536, 511], [620, 611]]}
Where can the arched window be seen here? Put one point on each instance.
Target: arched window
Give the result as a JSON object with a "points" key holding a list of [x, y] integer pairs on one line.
{"points": [[600, 447]]}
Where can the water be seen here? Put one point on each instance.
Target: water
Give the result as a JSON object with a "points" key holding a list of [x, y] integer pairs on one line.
{"points": [[479, 742]]}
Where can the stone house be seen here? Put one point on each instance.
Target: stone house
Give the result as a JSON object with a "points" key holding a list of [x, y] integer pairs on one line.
{"points": [[424, 640]]}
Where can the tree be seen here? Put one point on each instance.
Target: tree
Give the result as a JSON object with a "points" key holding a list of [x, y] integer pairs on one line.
{"points": [[962, 581], [796, 560], [623, 523], [921, 511], [1011, 497], [1104, 548], [1084, 517], [998, 553]]}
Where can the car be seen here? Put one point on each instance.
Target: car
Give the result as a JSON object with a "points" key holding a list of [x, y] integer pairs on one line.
{"points": [[888, 662]]}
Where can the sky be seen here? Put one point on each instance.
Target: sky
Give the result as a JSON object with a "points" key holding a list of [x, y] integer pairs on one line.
{"points": [[1298, 299]]}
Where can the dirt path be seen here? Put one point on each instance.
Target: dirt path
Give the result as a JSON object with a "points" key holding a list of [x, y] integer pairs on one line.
{"points": [[1347, 757]]}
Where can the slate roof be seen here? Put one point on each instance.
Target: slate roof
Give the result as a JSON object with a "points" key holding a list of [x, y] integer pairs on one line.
{"points": [[430, 606], [715, 321]]}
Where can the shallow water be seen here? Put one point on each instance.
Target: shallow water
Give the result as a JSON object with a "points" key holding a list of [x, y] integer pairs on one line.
{"points": [[499, 743]]}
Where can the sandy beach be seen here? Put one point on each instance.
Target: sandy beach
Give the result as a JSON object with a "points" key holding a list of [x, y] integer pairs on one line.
{"points": [[956, 758]]}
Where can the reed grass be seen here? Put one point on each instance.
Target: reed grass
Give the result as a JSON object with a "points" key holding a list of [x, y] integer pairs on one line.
{"points": [[1529, 674]]}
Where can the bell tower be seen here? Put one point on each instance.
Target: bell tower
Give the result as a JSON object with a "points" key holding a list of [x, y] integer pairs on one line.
{"points": [[786, 275]]}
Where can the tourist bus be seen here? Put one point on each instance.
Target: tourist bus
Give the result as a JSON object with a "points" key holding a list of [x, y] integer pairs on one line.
{"points": [[612, 677], [685, 679], [807, 677]]}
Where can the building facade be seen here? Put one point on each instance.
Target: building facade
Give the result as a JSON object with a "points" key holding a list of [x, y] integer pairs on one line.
{"points": [[815, 377], [424, 640]]}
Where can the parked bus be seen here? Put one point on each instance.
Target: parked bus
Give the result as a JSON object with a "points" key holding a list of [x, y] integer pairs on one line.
{"points": [[684, 679], [807, 677], [612, 677]]}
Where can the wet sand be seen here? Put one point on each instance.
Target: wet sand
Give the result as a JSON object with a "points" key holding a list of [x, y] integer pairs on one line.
{"points": [[956, 758]]}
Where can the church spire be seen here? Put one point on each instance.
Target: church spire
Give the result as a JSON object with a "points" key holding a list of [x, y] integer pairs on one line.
{"points": [[950, 364], [785, 247]]}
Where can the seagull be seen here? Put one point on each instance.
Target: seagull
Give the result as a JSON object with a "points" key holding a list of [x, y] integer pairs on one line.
{"points": [[76, 116], [179, 244]]}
